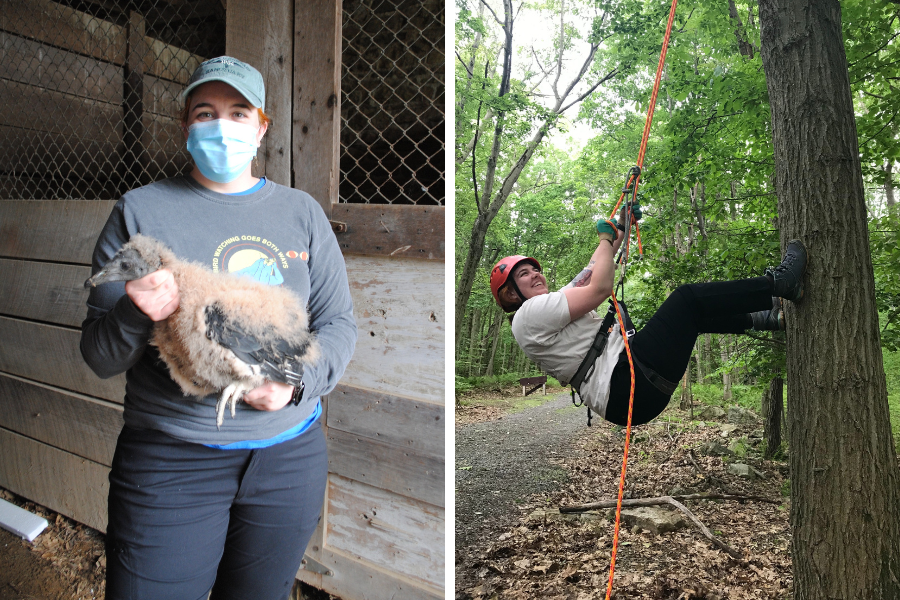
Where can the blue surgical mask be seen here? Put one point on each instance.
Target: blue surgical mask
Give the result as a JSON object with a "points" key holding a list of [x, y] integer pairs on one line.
{"points": [[222, 149]]}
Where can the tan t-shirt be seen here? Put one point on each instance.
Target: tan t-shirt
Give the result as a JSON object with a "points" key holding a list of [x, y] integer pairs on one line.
{"points": [[557, 345]]}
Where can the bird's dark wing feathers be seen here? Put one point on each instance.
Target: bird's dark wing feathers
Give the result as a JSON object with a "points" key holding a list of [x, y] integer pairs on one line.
{"points": [[277, 359]]}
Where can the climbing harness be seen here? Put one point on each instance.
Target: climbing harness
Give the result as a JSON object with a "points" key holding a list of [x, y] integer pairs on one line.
{"points": [[631, 188], [586, 368]]}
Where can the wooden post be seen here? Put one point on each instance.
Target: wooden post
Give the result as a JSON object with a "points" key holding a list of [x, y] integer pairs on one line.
{"points": [[317, 92], [258, 32]]}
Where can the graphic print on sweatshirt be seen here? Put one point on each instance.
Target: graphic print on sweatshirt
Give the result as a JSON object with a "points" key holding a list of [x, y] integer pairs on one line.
{"points": [[255, 257]]}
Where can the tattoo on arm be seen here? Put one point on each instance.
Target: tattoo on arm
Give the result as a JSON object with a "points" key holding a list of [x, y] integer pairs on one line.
{"points": [[583, 278]]}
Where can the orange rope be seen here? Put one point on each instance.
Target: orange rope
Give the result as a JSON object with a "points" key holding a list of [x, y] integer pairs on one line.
{"points": [[634, 179]]}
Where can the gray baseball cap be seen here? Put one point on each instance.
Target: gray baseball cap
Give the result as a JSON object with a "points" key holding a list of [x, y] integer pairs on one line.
{"points": [[239, 75]]}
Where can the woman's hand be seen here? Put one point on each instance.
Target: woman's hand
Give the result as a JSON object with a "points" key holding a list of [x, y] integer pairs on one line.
{"points": [[156, 294], [269, 396]]}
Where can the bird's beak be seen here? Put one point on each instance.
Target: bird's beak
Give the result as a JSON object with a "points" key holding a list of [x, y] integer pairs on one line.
{"points": [[92, 282], [107, 274]]}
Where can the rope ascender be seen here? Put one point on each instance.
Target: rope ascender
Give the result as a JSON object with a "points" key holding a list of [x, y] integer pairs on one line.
{"points": [[631, 188]]}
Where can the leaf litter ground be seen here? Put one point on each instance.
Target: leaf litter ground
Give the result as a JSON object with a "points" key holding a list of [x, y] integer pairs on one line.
{"points": [[502, 553]]}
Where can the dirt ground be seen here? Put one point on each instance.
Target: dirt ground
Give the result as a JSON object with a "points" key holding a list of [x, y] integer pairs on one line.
{"points": [[508, 465], [66, 562]]}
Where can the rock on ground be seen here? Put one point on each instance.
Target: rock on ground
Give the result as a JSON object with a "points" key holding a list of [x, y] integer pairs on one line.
{"points": [[654, 519]]}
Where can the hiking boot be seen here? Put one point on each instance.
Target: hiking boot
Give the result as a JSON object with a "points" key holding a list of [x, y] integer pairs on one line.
{"points": [[788, 276], [769, 320]]}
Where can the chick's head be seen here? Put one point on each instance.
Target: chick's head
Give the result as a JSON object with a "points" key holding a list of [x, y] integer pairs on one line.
{"points": [[141, 256]]}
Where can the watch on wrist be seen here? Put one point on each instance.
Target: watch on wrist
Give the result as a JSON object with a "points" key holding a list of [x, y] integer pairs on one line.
{"points": [[297, 395]]}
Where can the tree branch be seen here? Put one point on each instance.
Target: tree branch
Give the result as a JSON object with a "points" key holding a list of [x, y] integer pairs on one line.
{"points": [[496, 18]]}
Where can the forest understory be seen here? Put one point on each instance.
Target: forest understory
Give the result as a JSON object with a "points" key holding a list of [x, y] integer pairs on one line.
{"points": [[540, 555]]}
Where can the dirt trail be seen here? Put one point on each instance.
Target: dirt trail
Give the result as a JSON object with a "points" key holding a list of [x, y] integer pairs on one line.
{"points": [[502, 461]]}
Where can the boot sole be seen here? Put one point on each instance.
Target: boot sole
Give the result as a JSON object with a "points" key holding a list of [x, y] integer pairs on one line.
{"points": [[802, 275]]}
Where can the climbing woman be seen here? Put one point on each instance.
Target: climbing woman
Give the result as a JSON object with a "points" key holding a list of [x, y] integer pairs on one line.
{"points": [[565, 336], [194, 509]]}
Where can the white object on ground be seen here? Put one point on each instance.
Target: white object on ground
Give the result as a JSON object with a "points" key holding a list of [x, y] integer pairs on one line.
{"points": [[21, 522]]}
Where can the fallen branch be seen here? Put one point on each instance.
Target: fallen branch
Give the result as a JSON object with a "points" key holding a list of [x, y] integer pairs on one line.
{"points": [[706, 532], [611, 503], [672, 501]]}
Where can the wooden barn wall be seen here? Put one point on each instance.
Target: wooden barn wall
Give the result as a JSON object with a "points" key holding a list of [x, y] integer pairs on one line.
{"points": [[382, 534]]}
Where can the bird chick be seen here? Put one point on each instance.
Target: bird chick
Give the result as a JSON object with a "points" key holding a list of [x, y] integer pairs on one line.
{"points": [[229, 334]]}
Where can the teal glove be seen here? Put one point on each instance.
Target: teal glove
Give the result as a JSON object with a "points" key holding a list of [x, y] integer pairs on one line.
{"points": [[636, 211], [607, 229]]}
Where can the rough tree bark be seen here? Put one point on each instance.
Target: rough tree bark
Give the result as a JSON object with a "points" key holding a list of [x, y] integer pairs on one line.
{"points": [[845, 489], [772, 409]]}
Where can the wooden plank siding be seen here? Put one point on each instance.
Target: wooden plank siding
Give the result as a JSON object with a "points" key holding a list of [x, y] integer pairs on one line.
{"points": [[387, 530], [386, 418], [29, 62], [68, 484], [357, 579], [52, 230], [51, 355], [386, 466], [52, 23], [387, 230], [40, 291], [76, 423], [399, 308]]}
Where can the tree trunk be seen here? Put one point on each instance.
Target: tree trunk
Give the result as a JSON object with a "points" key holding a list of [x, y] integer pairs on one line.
{"points": [[686, 396], [710, 361], [473, 339], [845, 486], [772, 409], [726, 374], [701, 356], [889, 185], [494, 337]]}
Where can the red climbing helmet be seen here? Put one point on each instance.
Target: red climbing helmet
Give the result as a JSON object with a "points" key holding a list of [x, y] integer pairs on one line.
{"points": [[504, 267]]}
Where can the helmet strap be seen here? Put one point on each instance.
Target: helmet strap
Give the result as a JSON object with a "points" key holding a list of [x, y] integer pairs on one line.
{"points": [[512, 282]]}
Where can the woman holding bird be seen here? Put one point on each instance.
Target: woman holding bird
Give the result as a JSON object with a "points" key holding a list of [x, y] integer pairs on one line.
{"points": [[195, 508]]}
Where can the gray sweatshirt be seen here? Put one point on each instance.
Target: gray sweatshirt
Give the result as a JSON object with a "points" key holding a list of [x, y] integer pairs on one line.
{"points": [[277, 235]]}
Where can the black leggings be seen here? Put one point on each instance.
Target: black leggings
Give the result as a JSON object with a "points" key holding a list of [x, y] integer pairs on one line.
{"points": [[665, 343]]}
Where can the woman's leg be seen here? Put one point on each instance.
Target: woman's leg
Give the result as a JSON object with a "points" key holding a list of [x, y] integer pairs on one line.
{"points": [[273, 518], [665, 343], [169, 504]]}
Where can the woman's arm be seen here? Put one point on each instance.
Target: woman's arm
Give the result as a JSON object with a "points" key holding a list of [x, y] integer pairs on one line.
{"points": [[115, 332], [330, 308], [595, 282]]}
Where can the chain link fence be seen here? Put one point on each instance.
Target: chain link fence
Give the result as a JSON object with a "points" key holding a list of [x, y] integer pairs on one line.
{"points": [[91, 96], [91, 92], [392, 102]]}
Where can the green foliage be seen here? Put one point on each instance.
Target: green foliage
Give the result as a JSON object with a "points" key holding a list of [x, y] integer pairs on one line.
{"points": [[713, 394], [710, 211]]}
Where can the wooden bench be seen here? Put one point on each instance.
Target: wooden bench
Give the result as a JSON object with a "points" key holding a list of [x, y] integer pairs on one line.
{"points": [[537, 382]]}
